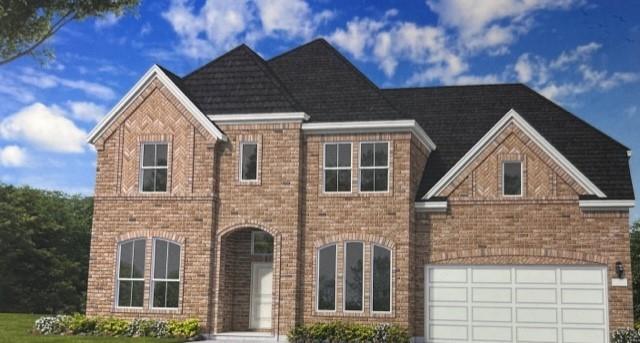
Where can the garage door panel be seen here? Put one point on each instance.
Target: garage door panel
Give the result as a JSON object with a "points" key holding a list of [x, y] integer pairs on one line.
{"points": [[458, 294], [536, 334], [448, 332], [492, 314], [491, 333], [535, 275], [534, 304], [455, 313], [581, 276], [578, 335], [582, 296], [492, 295], [536, 315], [491, 275], [536, 295], [583, 316]]}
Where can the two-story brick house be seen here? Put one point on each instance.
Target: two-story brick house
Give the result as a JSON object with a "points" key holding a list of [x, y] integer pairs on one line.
{"points": [[256, 195]]}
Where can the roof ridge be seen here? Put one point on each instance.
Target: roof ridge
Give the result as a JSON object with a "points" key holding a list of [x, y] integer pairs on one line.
{"points": [[241, 46], [553, 103], [453, 86]]}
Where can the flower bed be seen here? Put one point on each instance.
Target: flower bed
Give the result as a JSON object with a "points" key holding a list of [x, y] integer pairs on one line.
{"points": [[347, 332]]}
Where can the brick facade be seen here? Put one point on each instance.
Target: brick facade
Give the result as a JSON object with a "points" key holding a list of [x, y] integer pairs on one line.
{"points": [[211, 214]]}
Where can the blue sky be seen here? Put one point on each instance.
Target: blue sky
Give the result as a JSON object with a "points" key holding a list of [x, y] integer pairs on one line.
{"points": [[583, 54]]}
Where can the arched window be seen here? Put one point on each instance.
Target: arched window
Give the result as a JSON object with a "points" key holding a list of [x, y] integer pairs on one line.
{"points": [[326, 291], [130, 290], [381, 279], [165, 283]]}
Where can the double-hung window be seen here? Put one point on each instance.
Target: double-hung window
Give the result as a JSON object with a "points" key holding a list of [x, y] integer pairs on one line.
{"points": [[153, 173], [337, 167], [130, 291], [249, 161], [326, 292], [374, 167], [166, 274]]}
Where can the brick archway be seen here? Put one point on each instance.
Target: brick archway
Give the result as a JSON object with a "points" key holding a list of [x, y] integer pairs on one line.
{"points": [[516, 256]]}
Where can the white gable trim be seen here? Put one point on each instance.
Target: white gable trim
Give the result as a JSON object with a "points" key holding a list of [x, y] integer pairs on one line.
{"points": [[258, 118], [606, 205], [513, 116], [157, 72], [371, 126]]}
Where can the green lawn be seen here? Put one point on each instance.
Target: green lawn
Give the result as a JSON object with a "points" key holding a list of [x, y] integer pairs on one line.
{"points": [[16, 327]]}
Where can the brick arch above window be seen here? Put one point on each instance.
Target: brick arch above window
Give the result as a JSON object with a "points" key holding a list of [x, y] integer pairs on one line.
{"points": [[250, 224], [516, 256], [376, 239], [170, 236]]}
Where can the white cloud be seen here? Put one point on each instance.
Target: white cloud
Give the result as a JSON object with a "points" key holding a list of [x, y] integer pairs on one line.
{"points": [[578, 54], [108, 20], [631, 111], [292, 18], [358, 35], [45, 128], [12, 156], [145, 29], [43, 80], [86, 111]]}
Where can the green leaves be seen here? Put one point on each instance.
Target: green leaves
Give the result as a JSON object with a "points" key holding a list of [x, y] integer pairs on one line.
{"points": [[26, 24]]}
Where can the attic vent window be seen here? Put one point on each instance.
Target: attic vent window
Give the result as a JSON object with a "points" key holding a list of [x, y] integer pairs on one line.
{"points": [[512, 178]]}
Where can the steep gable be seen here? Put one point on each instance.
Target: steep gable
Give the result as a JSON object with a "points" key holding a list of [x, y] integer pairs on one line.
{"points": [[238, 82]]}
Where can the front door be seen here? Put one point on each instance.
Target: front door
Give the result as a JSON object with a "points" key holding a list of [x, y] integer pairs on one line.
{"points": [[261, 295]]}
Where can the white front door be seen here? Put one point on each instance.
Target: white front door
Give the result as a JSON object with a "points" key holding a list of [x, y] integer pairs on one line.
{"points": [[554, 304], [261, 295]]}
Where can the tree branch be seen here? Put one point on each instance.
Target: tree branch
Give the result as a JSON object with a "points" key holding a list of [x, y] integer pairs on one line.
{"points": [[67, 17]]}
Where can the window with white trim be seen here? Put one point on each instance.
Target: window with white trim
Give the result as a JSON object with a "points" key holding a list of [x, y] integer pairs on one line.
{"points": [[353, 276], [165, 283], [337, 167], [326, 287], [374, 167], [512, 178], [249, 161], [261, 243], [381, 279], [153, 168], [130, 290]]}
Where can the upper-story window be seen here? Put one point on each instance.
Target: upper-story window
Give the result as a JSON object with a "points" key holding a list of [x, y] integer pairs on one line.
{"points": [[374, 167], [153, 173], [512, 178], [130, 288], [337, 167], [249, 161], [166, 274]]}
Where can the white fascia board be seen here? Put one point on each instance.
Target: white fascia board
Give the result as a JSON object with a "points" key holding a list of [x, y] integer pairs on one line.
{"points": [[522, 124], [431, 206], [157, 72], [371, 126], [603, 205], [258, 118]]}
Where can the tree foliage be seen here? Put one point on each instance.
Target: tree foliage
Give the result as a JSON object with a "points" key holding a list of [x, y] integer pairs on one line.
{"points": [[635, 267], [26, 24], [44, 245]]}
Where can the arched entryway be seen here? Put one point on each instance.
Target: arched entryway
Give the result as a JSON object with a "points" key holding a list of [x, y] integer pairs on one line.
{"points": [[246, 282]]}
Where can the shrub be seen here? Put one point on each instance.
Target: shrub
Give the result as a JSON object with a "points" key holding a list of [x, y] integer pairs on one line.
{"points": [[347, 332], [625, 336], [81, 325]]}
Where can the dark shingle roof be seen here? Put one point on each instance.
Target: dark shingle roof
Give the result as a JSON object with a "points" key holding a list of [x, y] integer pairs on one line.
{"points": [[237, 82], [328, 86], [457, 117], [315, 78]]}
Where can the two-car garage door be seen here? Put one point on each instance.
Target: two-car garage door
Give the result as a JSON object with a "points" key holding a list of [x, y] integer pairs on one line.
{"points": [[516, 304]]}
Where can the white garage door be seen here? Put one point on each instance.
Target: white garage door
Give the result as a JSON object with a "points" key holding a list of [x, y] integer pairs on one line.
{"points": [[563, 304]]}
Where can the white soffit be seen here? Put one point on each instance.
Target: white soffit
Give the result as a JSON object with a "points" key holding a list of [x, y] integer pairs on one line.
{"points": [[606, 205], [258, 118], [431, 206], [521, 123], [371, 126], [154, 71]]}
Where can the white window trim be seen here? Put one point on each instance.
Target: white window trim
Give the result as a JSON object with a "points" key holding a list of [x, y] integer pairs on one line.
{"points": [[335, 279], [118, 278], [390, 279], [344, 277], [240, 166], [325, 168], [142, 168], [521, 179], [153, 279], [253, 238], [374, 167]]}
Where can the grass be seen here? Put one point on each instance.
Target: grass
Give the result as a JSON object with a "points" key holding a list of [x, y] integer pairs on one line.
{"points": [[16, 327]]}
